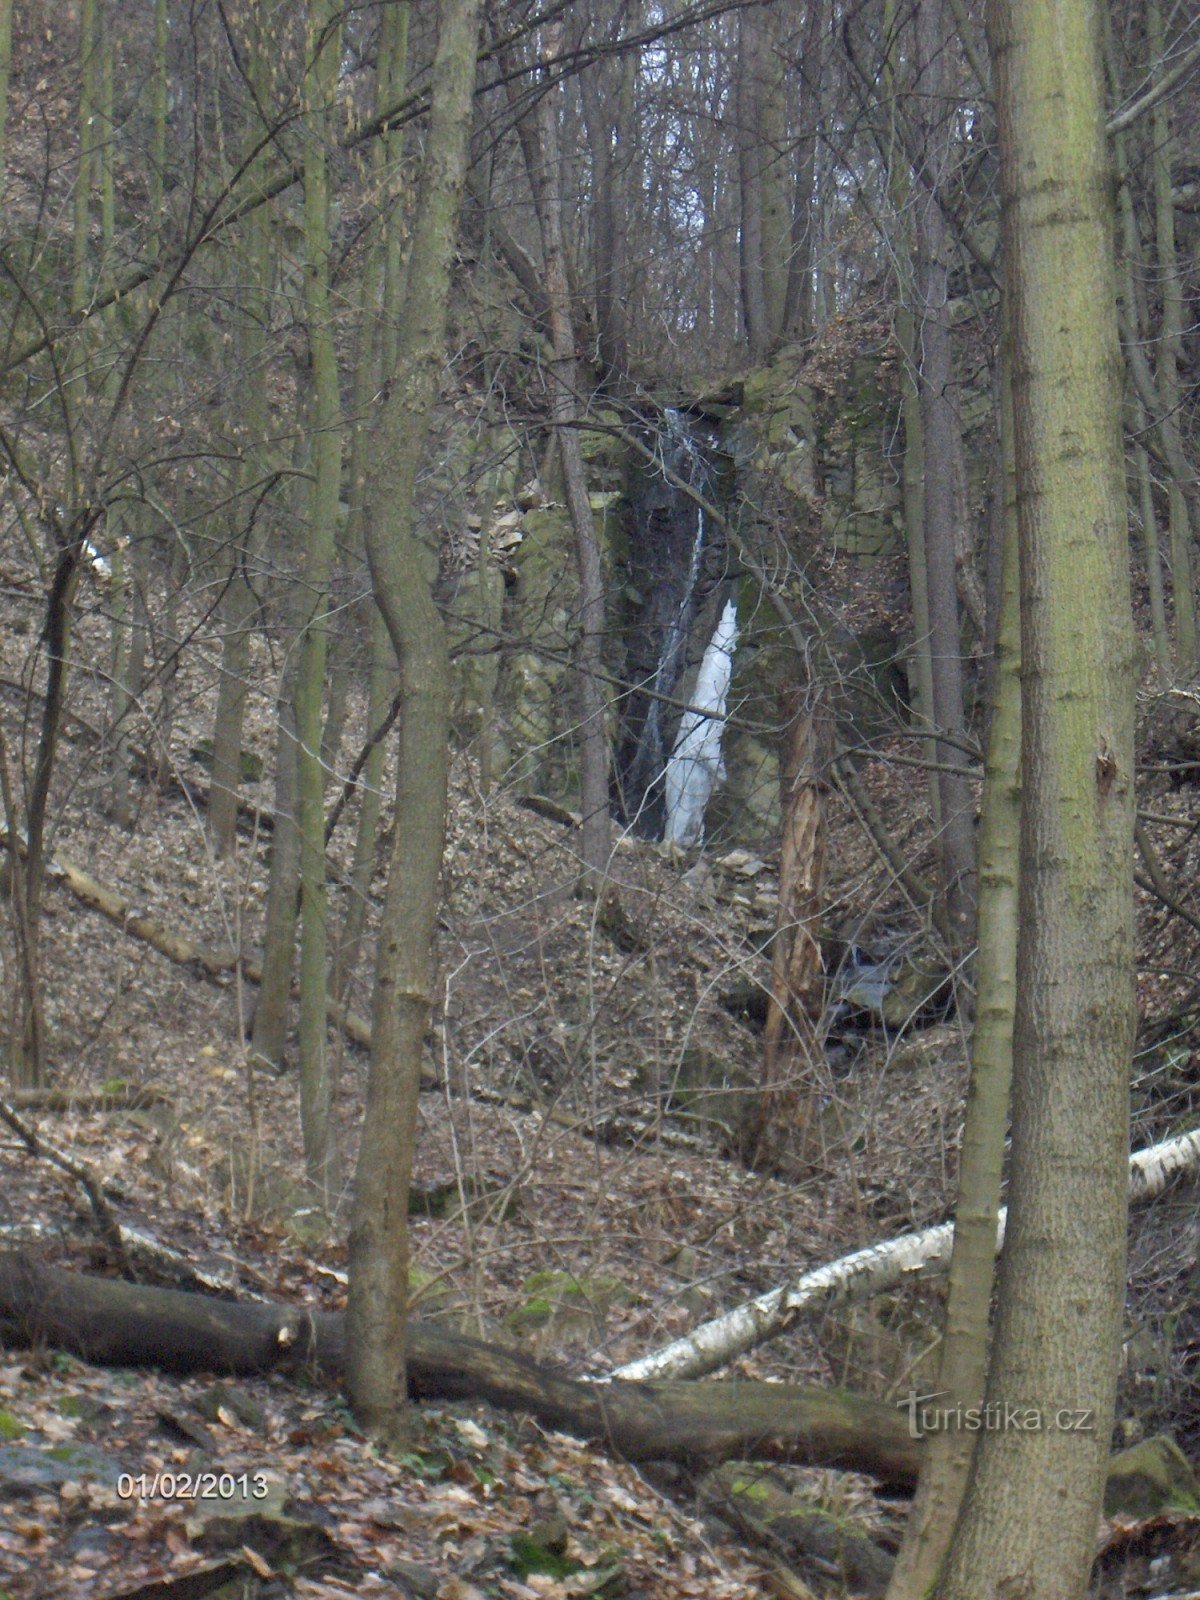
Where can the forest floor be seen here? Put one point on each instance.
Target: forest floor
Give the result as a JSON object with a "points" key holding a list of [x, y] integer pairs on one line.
{"points": [[580, 1198]]}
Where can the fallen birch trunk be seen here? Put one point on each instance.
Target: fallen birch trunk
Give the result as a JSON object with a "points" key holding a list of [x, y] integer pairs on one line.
{"points": [[867, 1272]]}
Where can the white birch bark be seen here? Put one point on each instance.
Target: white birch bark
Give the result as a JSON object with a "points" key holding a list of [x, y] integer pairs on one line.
{"points": [[865, 1273]]}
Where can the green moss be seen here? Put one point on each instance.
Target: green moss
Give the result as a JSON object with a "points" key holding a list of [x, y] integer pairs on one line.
{"points": [[561, 1297], [529, 1557], [1151, 1477], [10, 1428], [251, 764]]}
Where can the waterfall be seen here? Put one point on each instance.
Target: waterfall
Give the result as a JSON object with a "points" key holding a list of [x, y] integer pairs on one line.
{"points": [[666, 674], [673, 559], [695, 767]]}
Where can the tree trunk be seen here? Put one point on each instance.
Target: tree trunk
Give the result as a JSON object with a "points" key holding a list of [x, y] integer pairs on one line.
{"points": [[244, 535], [564, 412], [1132, 336], [1170, 350], [380, 291], [271, 1011], [754, 299], [607, 94], [123, 1324], [962, 1367], [791, 1047], [322, 52], [402, 570], [939, 423], [5, 69], [1029, 1522]]}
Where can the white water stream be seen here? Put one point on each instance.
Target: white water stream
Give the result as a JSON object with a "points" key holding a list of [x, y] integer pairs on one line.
{"points": [[695, 766]]}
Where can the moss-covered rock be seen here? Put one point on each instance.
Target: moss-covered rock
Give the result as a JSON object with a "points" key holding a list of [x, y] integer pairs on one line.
{"points": [[1151, 1476], [752, 1500], [540, 610], [478, 611]]}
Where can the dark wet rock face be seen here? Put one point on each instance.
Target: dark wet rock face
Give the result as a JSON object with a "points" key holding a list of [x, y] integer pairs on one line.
{"points": [[672, 559]]}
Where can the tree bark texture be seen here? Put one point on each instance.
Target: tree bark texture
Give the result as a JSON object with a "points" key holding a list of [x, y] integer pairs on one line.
{"points": [[1029, 1522], [790, 1043]]}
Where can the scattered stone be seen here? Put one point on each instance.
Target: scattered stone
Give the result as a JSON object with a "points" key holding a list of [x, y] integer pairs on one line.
{"points": [[741, 864], [26, 1470]]}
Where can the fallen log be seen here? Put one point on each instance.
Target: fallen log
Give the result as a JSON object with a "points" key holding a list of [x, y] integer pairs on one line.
{"points": [[698, 1424], [132, 1097], [122, 1324], [200, 959]]}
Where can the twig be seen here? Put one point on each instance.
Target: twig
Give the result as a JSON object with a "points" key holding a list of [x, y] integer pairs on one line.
{"points": [[106, 1223]]}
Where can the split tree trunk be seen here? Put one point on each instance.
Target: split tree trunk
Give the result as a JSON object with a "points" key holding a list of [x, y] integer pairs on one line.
{"points": [[791, 1047], [402, 571]]}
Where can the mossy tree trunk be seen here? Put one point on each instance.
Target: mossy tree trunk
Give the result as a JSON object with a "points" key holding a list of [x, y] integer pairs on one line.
{"points": [[1028, 1524]]}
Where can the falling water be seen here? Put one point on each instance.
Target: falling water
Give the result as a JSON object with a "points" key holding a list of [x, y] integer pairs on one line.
{"points": [[666, 674], [695, 767], [671, 547]]}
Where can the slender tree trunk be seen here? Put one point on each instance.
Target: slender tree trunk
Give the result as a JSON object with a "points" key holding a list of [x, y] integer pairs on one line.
{"points": [[381, 683], [5, 70], [379, 291], [775, 179], [939, 424], [564, 412], [1132, 334], [244, 533], [1170, 351], [1029, 1522], [273, 1006], [1148, 518], [1183, 496], [89, 124], [120, 702], [323, 53], [962, 1368], [754, 298], [402, 569], [913, 470]]}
